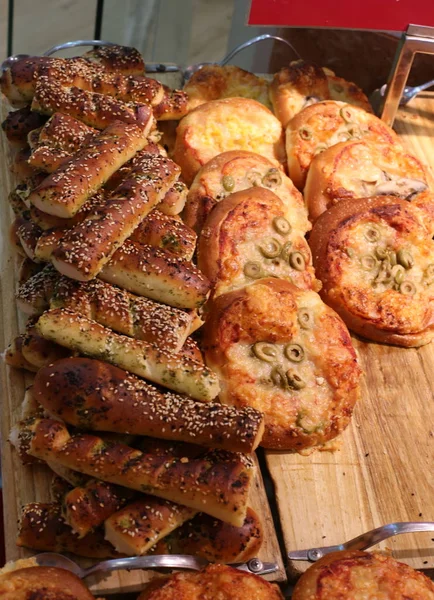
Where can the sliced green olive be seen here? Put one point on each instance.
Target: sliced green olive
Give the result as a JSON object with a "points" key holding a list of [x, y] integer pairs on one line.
{"points": [[297, 262], [253, 270], [350, 252], [294, 352], [398, 273], [391, 256], [346, 114], [320, 148], [265, 351], [270, 248], [278, 377], [407, 288], [372, 234], [385, 273], [368, 262], [381, 252], [305, 133], [294, 380], [405, 259], [286, 251], [282, 225], [429, 274], [272, 178], [305, 318], [228, 183], [254, 177]]}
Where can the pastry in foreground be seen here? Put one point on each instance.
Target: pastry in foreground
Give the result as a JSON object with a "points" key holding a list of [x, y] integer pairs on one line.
{"points": [[283, 351], [375, 258], [227, 124], [324, 124], [216, 581], [250, 235], [362, 169], [235, 171], [362, 575]]}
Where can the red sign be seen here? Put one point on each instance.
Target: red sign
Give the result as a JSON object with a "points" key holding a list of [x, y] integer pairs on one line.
{"points": [[386, 15]]}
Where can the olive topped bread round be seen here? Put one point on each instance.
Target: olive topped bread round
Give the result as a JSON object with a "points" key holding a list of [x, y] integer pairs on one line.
{"points": [[283, 351], [375, 258], [249, 235], [235, 171]]}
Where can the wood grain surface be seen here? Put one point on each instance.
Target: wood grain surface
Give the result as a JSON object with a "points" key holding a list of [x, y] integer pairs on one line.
{"points": [[28, 484], [384, 470]]}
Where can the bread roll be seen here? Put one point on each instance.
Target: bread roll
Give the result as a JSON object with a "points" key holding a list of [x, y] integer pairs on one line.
{"points": [[42, 582], [33, 296], [136, 527], [94, 395], [14, 355], [157, 274], [43, 528], [19, 123], [65, 191], [361, 169], [282, 351], [47, 221], [214, 540], [217, 483], [39, 351], [18, 81], [168, 369], [27, 234], [235, 171], [375, 258], [212, 82], [28, 268], [248, 236], [117, 59], [362, 575], [215, 581], [228, 124], [324, 124], [174, 201], [173, 106]]}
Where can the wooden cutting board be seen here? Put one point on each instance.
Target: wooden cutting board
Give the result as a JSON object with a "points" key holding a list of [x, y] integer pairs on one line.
{"points": [[384, 471], [29, 484]]}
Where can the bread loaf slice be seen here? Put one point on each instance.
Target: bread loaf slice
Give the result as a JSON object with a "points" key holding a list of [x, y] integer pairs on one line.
{"points": [[157, 274], [94, 395], [65, 191], [168, 369], [217, 483], [87, 247]]}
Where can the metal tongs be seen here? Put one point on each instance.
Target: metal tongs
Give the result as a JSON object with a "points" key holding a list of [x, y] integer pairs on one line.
{"points": [[162, 561], [364, 541]]}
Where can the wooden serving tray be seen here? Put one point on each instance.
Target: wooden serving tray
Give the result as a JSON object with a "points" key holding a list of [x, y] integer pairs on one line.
{"points": [[29, 484], [384, 471]]}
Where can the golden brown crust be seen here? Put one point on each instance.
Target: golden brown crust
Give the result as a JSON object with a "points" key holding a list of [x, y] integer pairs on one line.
{"points": [[40, 352], [19, 123], [42, 583], [306, 384], [86, 248], [362, 575], [42, 527], [14, 355], [94, 395], [214, 540], [355, 246], [215, 581], [323, 124], [213, 82], [26, 234], [28, 268], [173, 106], [33, 296], [240, 243], [347, 91], [174, 201], [46, 221], [228, 124], [360, 169], [217, 483], [19, 80], [239, 170]]}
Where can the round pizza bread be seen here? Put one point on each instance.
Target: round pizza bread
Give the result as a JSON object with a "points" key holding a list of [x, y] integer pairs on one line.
{"points": [[248, 236], [325, 124], [213, 82], [355, 575], [227, 124], [238, 170], [375, 258], [362, 169], [303, 83], [283, 351]]}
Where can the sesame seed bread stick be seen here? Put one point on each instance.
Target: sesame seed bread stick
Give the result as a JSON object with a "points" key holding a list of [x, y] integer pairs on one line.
{"points": [[217, 483], [94, 395], [136, 527], [18, 81], [117, 59], [42, 527], [33, 296], [27, 234], [171, 370], [174, 201], [87, 247], [63, 192], [156, 274], [19, 123]]}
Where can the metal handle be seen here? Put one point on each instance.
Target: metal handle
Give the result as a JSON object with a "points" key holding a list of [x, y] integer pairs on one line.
{"points": [[179, 561], [76, 43], [255, 40]]}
